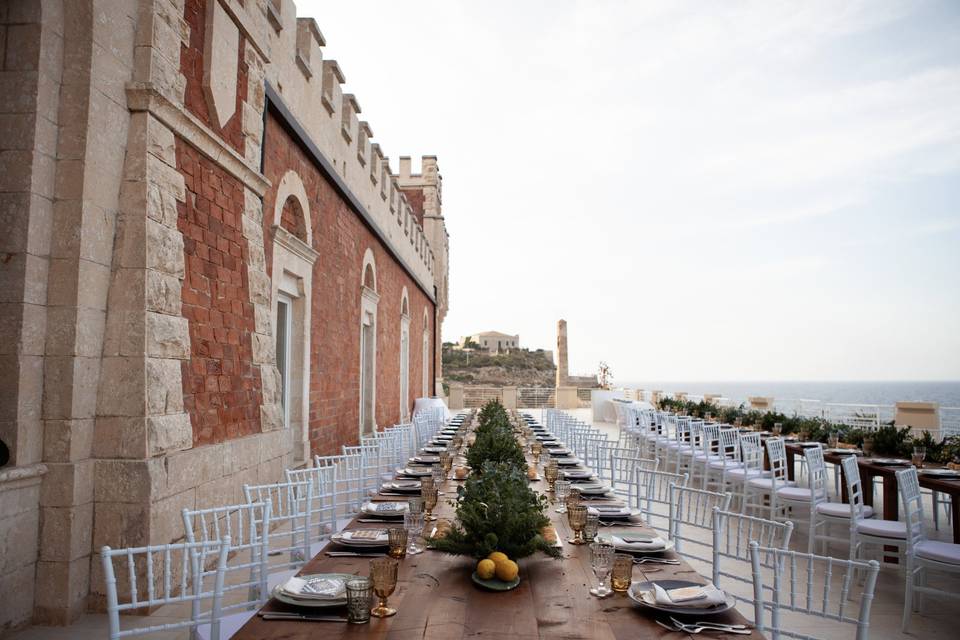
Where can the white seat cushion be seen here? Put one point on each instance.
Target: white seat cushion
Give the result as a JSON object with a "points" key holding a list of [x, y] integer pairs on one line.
{"points": [[841, 510], [797, 494], [740, 472], [883, 528], [939, 551], [767, 483], [703, 456], [730, 464]]}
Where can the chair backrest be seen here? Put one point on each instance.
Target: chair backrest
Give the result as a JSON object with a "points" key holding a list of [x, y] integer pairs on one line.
{"points": [[777, 453], [650, 493], [289, 507], [729, 444], [171, 574], [322, 509], [709, 439], [812, 585], [732, 535], [622, 464], [817, 475], [908, 485], [244, 525], [691, 507], [851, 475]]}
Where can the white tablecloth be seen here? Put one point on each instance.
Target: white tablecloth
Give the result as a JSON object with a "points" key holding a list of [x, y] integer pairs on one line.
{"points": [[422, 404]]}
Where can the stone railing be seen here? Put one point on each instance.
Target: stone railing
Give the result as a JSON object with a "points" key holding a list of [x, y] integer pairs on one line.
{"points": [[468, 397]]}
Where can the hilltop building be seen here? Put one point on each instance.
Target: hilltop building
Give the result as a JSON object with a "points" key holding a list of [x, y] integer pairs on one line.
{"points": [[210, 274], [493, 341]]}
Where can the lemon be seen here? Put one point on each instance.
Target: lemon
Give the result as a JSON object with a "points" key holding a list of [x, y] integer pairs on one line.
{"points": [[498, 557], [507, 570], [486, 569]]}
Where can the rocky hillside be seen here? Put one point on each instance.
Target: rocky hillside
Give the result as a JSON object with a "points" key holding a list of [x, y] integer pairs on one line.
{"points": [[519, 367]]}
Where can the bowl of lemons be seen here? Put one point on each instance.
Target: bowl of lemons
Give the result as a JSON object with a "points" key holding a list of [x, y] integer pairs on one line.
{"points": [[497, 572]]}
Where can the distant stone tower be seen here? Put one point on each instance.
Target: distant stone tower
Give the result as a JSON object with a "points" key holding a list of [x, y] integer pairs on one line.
{"points": [[562, 370]]}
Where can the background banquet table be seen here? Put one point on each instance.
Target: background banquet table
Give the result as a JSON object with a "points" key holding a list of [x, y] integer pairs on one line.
{"points": [[436, 598]]}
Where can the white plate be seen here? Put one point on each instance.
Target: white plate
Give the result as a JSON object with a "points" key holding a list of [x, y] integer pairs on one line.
{"points": [[385, 509], [295, 600], [673, 584], [346, 540], [622, 546], [417, 472]]}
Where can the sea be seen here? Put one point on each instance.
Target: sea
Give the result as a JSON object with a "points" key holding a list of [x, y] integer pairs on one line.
{"points": [[947, 393]]}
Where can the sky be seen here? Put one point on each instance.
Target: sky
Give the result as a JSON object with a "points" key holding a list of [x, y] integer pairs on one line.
{"points": [[704, 191]]}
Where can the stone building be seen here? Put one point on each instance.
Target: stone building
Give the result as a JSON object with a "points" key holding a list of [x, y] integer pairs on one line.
{"points": [[208, 273], [494, 341]]}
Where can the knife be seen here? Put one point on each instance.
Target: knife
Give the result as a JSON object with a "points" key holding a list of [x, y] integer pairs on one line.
{"points": [[280, 615]]}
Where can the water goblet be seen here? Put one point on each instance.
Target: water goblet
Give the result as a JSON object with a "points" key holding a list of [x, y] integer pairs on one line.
{"points": [[622, 573], [429, 502], [359, 594], [919, 454], [397, 540], [415, 504], [383, 575], [574, 497], [833, 440], [562, 489], [436, 471], [577, 517], [591, 526], [867, 447], [413, 523], [601, 560]]}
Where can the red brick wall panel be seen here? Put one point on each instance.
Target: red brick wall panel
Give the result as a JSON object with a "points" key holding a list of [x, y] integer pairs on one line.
{"points": [[191, 65], [341, 239], [221, 387], [415, 198]]}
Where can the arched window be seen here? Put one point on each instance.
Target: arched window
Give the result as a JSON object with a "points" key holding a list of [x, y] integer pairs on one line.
{"points": [[291, 291], [368, 345], [426, 354], [404, 356]]}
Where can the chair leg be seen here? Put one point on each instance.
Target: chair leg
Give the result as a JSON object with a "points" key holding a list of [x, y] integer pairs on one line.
{"points": [[907, 600]]}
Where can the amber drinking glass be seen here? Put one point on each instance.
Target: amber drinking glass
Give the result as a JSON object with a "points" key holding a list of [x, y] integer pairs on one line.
{"points": [[383, 575], [577, 517], [574, 497], [551, 472], [622, 573], [397, 537], [446, 461], [536, 449], [429, 495]]}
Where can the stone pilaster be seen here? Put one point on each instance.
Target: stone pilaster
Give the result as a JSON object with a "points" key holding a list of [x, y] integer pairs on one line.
{"points": [[563, 373]]}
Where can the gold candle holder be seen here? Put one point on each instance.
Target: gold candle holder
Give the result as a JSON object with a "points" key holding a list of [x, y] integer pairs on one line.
{"points": [[577, 517]]}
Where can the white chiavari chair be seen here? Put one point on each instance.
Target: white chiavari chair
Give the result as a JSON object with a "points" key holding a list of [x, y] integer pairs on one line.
{"points": [[922, 555], [864, 528], [650, 494], [288, 535], [322, 510], [172, 576], [245, 579], [691, 507], [807, 585], [728, 458], [732, 535], [765, 488]]}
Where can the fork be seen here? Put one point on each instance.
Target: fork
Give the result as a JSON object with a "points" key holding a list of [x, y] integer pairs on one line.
{"points": [[697, 628], [656, 560], [704, 623]]}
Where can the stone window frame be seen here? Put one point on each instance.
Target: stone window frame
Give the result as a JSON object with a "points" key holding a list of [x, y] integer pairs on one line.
{"points": [[292, 276], [404, 355], [369, 300]]}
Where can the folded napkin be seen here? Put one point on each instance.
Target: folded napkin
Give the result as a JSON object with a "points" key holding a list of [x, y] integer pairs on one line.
{"points": [[634, 542], [694, 597], [319, 588]]}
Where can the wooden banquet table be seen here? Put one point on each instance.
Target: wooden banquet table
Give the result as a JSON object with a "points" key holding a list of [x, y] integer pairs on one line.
{"points": [[888, 475], [435, 598]]}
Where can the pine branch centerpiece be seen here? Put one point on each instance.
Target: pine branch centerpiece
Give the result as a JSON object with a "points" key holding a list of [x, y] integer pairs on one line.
{"points": [[496, 509]]}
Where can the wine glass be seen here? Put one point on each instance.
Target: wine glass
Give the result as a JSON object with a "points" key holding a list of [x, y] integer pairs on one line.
{"points": [[919, 454], [601, 560], [429, 495], [562, 488], [833, 440], [577, 517], [436, 471], [413, 523], [383, 575], [573, 497], [536, 449], [591, 526]]}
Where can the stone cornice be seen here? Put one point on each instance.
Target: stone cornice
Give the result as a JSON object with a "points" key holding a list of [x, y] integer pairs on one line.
{"points": [[295, 245], [31, 471], [144, 97]]}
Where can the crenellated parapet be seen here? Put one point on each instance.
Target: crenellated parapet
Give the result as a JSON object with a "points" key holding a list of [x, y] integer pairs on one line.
{"points": [[312, 89]]}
